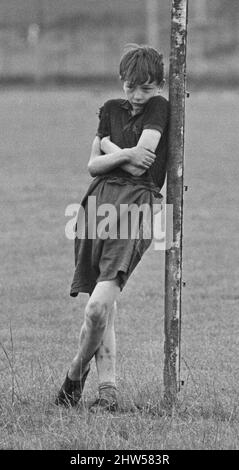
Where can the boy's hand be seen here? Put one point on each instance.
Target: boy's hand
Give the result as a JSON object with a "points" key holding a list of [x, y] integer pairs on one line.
{"points": [[105, 139], [141, 157], [104, 144]]}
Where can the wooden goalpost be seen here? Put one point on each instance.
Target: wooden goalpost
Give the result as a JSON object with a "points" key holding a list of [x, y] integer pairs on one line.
{"points": [[175, 189]]}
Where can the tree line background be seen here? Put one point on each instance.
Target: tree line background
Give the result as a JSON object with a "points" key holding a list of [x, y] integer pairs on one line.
{"points": [[83, 39]]}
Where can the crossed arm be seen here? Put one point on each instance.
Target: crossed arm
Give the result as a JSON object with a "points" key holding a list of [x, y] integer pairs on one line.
{"points": [[135, 160]]}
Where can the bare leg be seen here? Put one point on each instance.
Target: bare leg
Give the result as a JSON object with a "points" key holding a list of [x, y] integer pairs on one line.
{"points": [[93, 329], [106, 354]]}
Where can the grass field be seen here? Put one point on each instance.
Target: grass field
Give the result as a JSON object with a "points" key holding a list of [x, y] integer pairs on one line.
{"points": [[44, 148]]}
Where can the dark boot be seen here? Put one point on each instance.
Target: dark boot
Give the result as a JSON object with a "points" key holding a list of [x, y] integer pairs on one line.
{"points": [[71, 391]]}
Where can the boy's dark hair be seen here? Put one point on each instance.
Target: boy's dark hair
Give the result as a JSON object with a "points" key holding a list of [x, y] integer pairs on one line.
{"points": [[140, 64]]}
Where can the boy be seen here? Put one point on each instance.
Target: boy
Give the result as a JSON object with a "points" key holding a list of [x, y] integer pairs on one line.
{"points": [[128, 161]]}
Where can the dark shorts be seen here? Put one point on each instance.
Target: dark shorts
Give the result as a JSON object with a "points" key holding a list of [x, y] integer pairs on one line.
{"points": [[98, 259]]}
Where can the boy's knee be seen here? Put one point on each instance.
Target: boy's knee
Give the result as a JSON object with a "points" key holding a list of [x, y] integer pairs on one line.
{"points": [[96, 314]]}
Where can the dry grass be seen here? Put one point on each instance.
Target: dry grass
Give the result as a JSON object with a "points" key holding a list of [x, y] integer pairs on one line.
{"points": [[44, 149]]}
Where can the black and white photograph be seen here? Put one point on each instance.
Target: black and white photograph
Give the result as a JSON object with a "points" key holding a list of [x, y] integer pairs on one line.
{"points": [[119, 271]]}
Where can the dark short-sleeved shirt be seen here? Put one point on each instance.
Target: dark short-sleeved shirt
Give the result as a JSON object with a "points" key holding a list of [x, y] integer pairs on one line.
{"points": [[125, 130]]}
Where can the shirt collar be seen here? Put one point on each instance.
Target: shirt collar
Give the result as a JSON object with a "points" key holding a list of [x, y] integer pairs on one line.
{"points": [[126, 105]]}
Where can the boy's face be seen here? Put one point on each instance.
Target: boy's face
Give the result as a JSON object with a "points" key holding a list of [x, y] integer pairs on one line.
{"points": [[138, 95]]}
